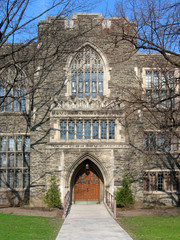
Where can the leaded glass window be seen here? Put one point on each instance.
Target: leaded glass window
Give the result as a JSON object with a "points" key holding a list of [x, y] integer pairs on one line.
{"points": [[71, 130], [14, 161], [63, 127], [103, 130], [79, 130], [12, 90], [87, 73], [95, 130], [111, 130], [87, 130]]}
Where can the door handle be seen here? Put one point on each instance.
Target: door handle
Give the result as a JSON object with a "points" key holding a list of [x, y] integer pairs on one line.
{"points": [[87, 189]]}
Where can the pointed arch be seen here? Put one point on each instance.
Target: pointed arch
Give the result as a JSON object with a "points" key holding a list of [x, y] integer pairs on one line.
{"points": [[78, 164], [88, 73]]}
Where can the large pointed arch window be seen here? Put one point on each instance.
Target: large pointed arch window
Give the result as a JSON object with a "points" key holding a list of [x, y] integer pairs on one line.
{"points": [[87, 73]]}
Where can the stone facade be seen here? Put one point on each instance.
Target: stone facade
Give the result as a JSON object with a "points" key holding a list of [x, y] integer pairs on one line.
{"points": [[55, 100]]}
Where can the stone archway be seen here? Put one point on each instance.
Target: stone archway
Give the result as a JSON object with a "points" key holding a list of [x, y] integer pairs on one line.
{"points": [[97, 173]]}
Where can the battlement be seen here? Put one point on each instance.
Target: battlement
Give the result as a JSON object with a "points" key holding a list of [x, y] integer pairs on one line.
{"points": [[81, 19]]}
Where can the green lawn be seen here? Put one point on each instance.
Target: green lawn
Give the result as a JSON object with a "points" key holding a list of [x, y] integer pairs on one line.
{"points": [[18, 227], [152, 227]]}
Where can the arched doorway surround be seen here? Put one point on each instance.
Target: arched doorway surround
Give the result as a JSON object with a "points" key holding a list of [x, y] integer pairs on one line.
{"points": [[79, 167]]}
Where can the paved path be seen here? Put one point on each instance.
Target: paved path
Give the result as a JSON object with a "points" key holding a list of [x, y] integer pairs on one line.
{"points": [[91, 222]]}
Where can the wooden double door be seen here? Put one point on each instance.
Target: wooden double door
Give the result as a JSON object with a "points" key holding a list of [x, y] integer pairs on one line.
{"points": [[87, 186]]}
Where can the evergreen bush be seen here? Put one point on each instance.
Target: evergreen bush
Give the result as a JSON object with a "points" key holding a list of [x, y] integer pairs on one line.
{"points": [[52, 197], [123, 196]]}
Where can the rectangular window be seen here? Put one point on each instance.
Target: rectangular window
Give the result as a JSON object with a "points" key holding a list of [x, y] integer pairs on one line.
{"points": [[158, 141], [161, 181], [14, 155]]}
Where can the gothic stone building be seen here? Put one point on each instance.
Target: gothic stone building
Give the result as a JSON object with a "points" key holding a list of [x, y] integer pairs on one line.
{"points": [[83, 104]]}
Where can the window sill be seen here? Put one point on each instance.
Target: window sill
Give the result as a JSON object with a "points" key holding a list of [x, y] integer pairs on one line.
{"points": [[160, 192]]}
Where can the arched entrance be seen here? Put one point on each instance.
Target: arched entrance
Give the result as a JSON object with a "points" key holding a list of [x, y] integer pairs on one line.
{"points": [[87, 183]]}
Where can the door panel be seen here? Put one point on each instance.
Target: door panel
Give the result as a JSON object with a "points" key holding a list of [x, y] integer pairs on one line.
{"points": [[87, 186]]}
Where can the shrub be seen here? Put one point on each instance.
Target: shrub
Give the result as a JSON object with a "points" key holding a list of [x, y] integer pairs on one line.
{"points": [[123, 196], [52, 197]]}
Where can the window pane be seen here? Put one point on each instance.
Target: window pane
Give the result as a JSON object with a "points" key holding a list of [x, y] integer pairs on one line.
{"points": [[11, 178], [146, 142], [19, 144], [79, 130], [26, 160], [87, 130], [11, 160], [23, 98], [160, 142], [87, 83], [11, 146], [63, 129], [73, 77], [152, 142], [8, 100], [27, 144], [80, 84], [156, 80], [3, 161], [16, 99], [103, 130], [100, 83], [111, 130], [3, 146], [26, 178], [19, 179], [95, 130], [148, 79], [160, 181], [19, 160], [3, 179], [2, 98], [71, 130]]}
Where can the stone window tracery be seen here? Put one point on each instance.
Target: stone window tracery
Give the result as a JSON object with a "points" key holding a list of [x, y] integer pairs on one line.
{"points": [[87, 129], [87, 73]]}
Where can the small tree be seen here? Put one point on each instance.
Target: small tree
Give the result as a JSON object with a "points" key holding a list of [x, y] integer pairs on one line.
{"points": [[123, 196], [52, 197]]}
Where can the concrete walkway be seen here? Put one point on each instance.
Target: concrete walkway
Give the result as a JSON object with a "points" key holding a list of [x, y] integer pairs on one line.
{"points": [[91, 222]]}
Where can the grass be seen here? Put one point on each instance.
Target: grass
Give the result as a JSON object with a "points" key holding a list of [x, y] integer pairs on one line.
{"points": [[18, 227], [165, 227]]}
